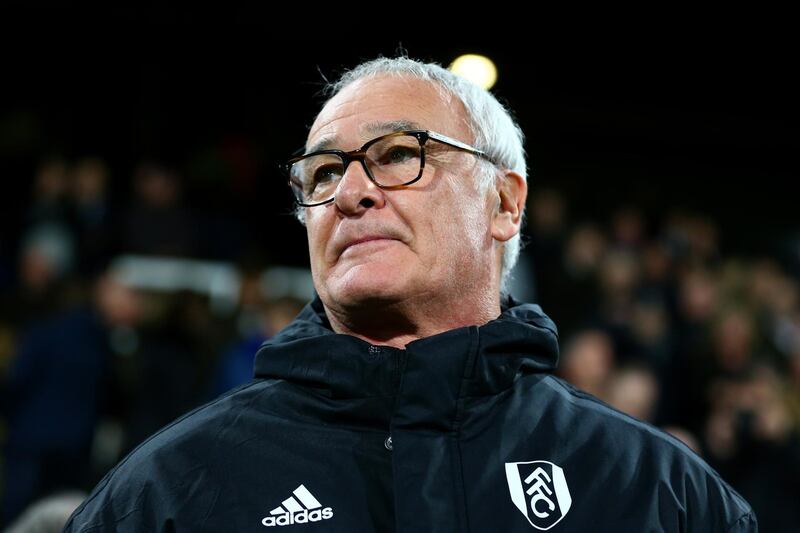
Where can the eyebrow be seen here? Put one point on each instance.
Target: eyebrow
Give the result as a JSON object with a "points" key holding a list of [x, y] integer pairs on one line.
{"points": [[379, 128], [370, 128]]}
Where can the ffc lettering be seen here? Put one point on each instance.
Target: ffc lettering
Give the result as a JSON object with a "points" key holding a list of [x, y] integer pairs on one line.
{"points": [[539, 490]]}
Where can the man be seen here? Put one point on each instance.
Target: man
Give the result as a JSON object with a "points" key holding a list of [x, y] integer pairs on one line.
{"points": [[412, 394]]}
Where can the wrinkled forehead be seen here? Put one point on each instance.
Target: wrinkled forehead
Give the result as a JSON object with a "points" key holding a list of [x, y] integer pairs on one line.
{"points": [[373, 106]]}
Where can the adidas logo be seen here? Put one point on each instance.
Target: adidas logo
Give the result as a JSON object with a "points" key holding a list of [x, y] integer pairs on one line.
{"points": [[300, 508]]}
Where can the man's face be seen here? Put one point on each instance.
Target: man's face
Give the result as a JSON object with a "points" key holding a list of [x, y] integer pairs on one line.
{"points": [[430, 241]]}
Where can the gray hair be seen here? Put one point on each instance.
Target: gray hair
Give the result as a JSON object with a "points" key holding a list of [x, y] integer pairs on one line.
{"points": [[495, 132]]}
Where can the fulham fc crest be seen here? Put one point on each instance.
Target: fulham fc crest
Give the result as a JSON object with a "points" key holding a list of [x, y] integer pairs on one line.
{"points": [[539, 490]]}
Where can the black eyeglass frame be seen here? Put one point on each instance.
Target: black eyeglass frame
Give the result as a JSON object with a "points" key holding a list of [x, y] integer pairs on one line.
{"points": [[361, 153]]}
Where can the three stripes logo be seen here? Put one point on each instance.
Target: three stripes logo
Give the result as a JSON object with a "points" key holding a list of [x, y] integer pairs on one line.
{"points": [[539, 490], [300, 508]]}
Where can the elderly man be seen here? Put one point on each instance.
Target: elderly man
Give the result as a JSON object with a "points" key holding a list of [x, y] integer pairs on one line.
{"points": [[413, 394]]}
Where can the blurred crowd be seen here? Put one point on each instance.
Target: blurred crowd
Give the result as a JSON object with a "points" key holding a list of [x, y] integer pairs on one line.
{"points": [[655, 318], [92, 364], [658, 321]]}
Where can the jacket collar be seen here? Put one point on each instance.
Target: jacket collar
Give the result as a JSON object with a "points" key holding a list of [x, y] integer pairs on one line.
{"points": [[489, 357]]}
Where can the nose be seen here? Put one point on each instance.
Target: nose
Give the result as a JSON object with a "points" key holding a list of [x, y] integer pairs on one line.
{"points": [[356, 192]]}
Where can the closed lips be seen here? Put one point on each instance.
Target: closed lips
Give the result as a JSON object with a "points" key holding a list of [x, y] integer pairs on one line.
{"points": [[367, 238]]}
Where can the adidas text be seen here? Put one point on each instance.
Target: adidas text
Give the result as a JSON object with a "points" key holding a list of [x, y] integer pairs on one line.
{"points": [[302, 517]]}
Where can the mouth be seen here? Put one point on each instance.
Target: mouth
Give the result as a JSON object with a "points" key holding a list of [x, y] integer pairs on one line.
{"points": [[366, 241]]}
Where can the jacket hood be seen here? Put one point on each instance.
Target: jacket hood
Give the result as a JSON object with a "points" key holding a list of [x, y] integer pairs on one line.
{"points": [[307, 351]]}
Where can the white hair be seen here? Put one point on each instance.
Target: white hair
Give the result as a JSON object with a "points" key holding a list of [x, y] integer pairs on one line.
{"points": [[494, 130]]}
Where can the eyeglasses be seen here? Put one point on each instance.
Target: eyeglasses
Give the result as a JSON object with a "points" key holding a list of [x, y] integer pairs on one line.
{"points": [[391, 161]]}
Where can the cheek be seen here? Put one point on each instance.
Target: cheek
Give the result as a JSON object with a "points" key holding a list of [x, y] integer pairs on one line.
{"points": [[473, 227], [318, 234], [462, 240]]}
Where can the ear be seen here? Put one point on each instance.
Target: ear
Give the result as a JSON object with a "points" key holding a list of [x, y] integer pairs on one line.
{"points": [[512, 191]]}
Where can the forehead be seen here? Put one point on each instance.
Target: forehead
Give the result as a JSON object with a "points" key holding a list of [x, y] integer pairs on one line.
{"points": [[372, 106]]}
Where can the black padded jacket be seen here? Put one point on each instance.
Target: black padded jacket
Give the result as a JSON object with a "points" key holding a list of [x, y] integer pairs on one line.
{"points": [[463, 431]]}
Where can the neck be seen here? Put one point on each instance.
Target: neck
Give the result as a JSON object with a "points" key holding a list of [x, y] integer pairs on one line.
{"points": [[399, 323]]}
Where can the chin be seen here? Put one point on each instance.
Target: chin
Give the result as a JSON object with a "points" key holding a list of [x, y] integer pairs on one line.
{"points": [[369, 283]]}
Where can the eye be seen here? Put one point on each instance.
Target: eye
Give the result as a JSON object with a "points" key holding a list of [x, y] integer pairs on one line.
{"points": [[326, 173], [399, 154]]}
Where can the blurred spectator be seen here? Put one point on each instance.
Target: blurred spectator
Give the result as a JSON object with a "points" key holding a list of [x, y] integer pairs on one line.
{"points": [[696, 302], [628, 229], [46, 258], [634, 390], [587, 362], [620, 273], [47, 254], [55, 389], [168, 363], [572, 293], [776, 299], [235, 366], [657, 280], [585, 251], [49, 202], [765, 286], [733, 338], [699, 296], [754, 442], [48, 515], [691, 238], [546, 228], [93, 220], [653, 337], [650, 327], [156, 222], [258, 320]]}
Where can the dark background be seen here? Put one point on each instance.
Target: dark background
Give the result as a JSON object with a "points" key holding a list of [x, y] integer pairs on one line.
{"points": [[711, 126]]}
